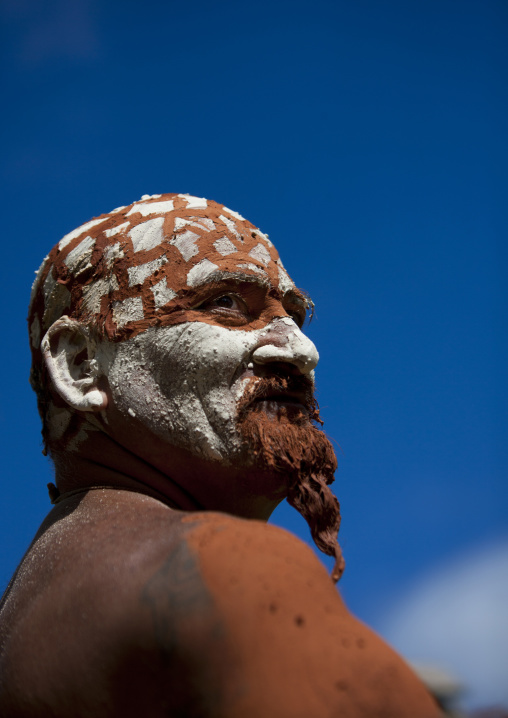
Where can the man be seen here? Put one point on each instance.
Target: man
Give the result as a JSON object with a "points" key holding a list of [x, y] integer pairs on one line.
{"points": [[176, 392]]}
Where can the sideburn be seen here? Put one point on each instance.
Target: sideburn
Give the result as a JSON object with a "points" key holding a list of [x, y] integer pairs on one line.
{"points": [[302, 453]]}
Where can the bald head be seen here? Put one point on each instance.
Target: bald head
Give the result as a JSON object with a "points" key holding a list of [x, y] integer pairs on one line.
{"points": [[137, 266], [150, 265]]}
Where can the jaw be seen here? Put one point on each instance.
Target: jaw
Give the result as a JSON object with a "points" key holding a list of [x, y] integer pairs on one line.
{"points": [[186, 386], [176, 402]]}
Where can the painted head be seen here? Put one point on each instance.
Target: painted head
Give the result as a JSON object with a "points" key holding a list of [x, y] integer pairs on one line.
{"points": [[172, 323]]}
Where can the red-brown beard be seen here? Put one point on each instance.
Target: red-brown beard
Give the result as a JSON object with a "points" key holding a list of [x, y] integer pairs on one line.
{"points": [[289, 443]]}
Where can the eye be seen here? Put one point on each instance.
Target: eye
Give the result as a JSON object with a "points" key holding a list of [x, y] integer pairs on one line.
{"points": [[229, 302], [226, 301], [298, 316]]}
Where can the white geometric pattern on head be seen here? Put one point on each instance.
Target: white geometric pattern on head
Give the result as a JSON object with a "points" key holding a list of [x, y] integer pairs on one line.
{"points": [[162, 294], [200, 272], [252, 268], [261, 254], [123, 263], [186, 243], [153, 208], [147, 235], [231, 226], [224, 246], [285, 282], [138, 274], [194, 202], [93, 293], [117, 230], [78, 232], [80, 255]]}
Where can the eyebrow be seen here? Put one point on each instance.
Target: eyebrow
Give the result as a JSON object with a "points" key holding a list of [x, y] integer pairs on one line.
{"points": [[299, 297], [238, 277]]}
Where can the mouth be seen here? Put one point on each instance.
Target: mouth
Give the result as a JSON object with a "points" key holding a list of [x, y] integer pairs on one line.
{"points": [[274, 400], [275, 396], [287, 398]]}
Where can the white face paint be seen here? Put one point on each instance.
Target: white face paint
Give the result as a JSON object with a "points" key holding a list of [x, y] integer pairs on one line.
{"points": [[184, 382]]}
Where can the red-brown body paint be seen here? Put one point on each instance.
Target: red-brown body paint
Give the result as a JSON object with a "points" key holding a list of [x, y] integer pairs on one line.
{"points": [[248, 250], [165, 613], [124, 606]]}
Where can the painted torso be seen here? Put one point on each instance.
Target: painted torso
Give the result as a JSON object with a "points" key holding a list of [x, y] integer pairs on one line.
{"points": [[130, 608]]}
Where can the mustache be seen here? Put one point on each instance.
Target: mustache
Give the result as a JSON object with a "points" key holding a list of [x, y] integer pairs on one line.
{"points": [[297, 387]]}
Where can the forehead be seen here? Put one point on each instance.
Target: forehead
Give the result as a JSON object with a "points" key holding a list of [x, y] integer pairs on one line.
{"points": [[128, 269], [194, 238]]}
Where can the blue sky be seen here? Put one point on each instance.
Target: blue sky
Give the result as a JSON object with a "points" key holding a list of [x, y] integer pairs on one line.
{"points": [[369, 140]]}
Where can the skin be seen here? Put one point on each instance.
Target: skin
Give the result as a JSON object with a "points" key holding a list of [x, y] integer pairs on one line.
{"points": [[187, 614], [198, 407], [166, 594]]}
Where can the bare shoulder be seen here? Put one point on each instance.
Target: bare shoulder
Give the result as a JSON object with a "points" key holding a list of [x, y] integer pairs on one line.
{"points": [[110, 603], [255, 556], [166, 613], [290, 629], [282, 628]]}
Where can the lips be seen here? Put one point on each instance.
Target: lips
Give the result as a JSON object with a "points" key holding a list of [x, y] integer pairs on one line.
{"points": [[291, 399]]}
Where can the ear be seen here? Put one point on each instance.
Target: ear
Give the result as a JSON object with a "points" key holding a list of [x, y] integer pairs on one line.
{"points": [[69, 354]]}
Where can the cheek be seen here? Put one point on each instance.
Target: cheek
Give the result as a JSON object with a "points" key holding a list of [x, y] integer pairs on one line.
{"points": [[210, 382], [184, 383], [207, 353], [185, 366], [132, 387]]}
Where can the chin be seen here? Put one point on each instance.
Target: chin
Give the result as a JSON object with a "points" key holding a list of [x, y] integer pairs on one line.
{"points": [[300, 460], [283, 440]]}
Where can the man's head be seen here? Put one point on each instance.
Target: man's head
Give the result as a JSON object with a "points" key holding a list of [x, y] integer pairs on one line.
{"points": [[161, 263], [172, 323]]}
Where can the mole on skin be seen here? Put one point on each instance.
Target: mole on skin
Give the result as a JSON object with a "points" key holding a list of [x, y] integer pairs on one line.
{"points": [[176, 391]]}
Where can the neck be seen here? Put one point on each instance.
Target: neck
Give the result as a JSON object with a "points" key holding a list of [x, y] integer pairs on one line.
{"points": [[185, 482]]}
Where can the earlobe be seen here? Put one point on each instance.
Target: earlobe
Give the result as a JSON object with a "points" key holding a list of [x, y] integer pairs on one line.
{"points": [[69, 354]]}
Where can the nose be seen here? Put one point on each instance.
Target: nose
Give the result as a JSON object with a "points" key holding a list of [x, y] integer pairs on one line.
{"points": [[282, 341]]}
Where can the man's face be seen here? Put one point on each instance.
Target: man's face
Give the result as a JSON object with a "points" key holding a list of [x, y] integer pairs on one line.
{"points": [[198, 311], [185, 383]]}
